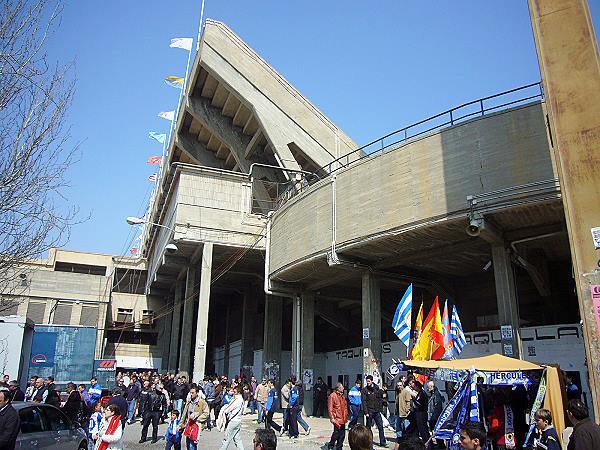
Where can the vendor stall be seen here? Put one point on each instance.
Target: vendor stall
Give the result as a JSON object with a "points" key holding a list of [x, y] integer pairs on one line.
{"points": [[471, 375]]}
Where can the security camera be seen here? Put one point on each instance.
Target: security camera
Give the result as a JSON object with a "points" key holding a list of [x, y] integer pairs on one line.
{"points": [[474, 227], [171, 248]]}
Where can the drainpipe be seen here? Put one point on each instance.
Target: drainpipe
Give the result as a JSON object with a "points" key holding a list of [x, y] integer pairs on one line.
{"points": [[267, 283], [298, 336]]}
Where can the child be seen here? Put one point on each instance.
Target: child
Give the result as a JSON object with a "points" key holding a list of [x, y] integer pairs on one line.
{"points": [[173, 434], [473, 436], [548, 438], [94, 425]]}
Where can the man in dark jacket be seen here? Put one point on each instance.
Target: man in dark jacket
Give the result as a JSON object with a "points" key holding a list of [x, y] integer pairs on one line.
{"points": [[17, 395], [319, 398], [180, 394], [9, 422], [146, 388], [153, 407], [586, 434], [435, 402], [372, 402], [118, 400], [73, 407], [132, 394]]}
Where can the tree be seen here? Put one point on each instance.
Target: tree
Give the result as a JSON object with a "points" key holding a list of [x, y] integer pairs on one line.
{"points": [[35, 149]]}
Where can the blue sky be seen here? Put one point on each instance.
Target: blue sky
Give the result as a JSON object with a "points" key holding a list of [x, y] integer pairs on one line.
{"points": [[371, 69]]}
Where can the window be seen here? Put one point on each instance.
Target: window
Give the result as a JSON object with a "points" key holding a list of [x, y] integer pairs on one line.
{"points": [[56, 420], [89, 316], [35, 312], [131, 337], [79, 268], [147, 317], [31, 420], [124, 315], [129, 281], [62, 314]]}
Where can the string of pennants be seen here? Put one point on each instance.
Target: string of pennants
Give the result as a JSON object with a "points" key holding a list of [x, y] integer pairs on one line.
{"points": [[161, 137]]}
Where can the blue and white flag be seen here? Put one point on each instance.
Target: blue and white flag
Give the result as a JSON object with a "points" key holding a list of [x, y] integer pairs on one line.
{"points": [[402, 317], [158, 137], [456, 330]]}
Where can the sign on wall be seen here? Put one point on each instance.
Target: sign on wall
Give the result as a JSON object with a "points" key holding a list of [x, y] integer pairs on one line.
{"points": [[105, 371]]}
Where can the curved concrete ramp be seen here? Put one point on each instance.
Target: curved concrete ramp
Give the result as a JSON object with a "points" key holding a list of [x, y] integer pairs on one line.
{"points": [[419, 192]]}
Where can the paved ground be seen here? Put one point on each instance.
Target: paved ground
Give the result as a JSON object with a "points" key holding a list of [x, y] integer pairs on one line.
{"points": [[319, 435]]}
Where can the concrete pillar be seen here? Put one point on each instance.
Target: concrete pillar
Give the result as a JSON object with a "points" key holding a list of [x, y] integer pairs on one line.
{"points": [[272, 338], [185, 347], [307, 351], [175, 327], [296, 337], [506, 297], [227, 343], [371, 332], [569, 68], [203, 308], [248, 332]]}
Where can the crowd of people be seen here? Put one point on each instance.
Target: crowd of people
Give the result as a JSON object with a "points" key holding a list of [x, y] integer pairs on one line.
{"points": [[190, 409]]}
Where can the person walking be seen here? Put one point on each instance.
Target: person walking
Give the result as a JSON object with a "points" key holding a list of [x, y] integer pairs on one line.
{"points": [[29, 392], [293, 409], [94, 426], [132, 394], [547, 436], [261, 396], [9, 422], [253, 405], [285, 405], [180, 393], [299, 417], [435, 403], [404, 408], [372, 402], [195, 411], [210, 396], [337, 407], [230, 419], [270, 407], [173, 433], [319, 398], [354, 398], [144, 391], [420, 405], [153, 407], [586, 434], [110, 435]]}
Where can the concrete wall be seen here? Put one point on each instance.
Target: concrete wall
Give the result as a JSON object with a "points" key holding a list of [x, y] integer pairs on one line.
{"points": [[424, 180]]}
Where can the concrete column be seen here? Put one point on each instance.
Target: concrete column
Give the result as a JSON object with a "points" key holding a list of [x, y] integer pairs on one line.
{"points": [[248, 332], [185, 348], [296, 337], [371, 320], [307, 351], [76, 313], [175, 326], [272, 337], [506, 297], [226, 344], [203, 307]]}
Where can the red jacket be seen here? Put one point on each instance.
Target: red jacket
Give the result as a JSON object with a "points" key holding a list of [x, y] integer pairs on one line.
{"points": [[337, 408]]}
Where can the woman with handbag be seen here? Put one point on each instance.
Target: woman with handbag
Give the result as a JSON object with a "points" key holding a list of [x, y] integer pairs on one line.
{"points": [[110, 435], [230, 419]]}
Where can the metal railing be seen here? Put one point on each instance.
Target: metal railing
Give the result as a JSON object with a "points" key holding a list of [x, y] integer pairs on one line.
{"points": [[454, 116]]}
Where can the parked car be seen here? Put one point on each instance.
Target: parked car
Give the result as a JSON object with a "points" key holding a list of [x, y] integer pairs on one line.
{"points": [[46, 427]]}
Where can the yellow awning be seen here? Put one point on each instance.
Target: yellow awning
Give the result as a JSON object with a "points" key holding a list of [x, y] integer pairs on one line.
{"points": [[490, 363]]}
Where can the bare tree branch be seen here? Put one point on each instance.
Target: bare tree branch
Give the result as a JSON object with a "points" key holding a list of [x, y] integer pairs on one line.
{"points": [[34, 141]]}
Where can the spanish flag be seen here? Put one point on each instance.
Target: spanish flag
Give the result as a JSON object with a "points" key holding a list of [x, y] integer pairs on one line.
{"points": [[431, 342]]}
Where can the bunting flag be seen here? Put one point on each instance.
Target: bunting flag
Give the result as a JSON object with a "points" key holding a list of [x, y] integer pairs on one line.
{"points": [[153, 177], [133, 251], [161, 138], [154, 160], [184, 43], [431, 343], [168, 115], [402, 317], [458, 336], [176, 82], [446, 331]]}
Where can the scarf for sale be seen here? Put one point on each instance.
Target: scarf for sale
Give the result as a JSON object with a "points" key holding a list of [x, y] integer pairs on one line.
{"points": [[509, 428], [115, 421]]}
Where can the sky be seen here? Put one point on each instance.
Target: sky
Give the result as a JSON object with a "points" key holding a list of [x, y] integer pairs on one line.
{"points": [[371, 67]]}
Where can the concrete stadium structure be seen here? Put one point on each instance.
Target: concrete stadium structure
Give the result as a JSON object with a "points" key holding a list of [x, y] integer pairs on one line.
{"points": [[292, 242]]}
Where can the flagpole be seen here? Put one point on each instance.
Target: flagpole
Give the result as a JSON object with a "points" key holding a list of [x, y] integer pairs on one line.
{"points": [[200, 27]]}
